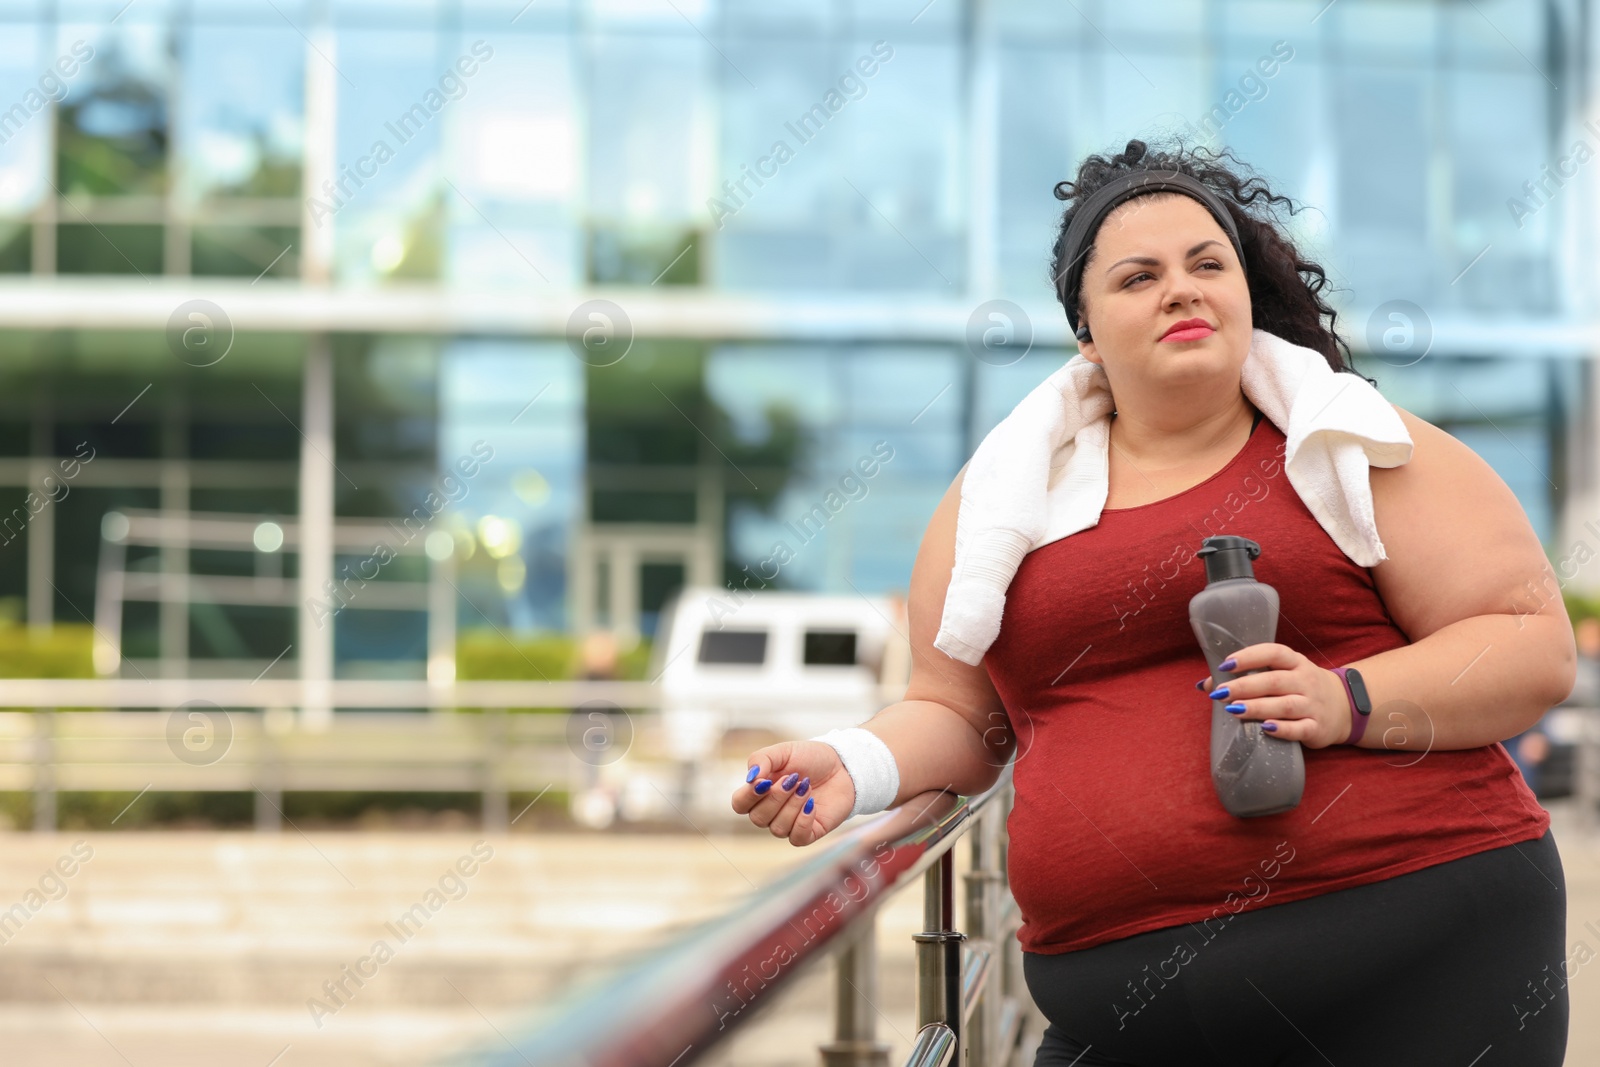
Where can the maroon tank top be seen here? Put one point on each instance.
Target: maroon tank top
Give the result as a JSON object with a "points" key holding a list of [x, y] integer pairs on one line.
{"points": [[1116, 828]]}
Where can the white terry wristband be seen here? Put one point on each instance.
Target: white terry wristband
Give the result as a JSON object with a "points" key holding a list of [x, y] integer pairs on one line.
{"points": [[869, 763]]}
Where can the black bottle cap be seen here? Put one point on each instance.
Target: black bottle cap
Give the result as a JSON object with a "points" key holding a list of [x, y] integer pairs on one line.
{"points": [[1228, 557]]}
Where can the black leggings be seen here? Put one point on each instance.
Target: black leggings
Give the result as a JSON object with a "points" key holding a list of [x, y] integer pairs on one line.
{"points": [[1461, 963]]}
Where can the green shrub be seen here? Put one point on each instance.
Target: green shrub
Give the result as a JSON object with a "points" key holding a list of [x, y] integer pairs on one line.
{"points": [[110, 811], [179, 810], [1581, 606], [65, 650], [489, 655], [486, 655]]}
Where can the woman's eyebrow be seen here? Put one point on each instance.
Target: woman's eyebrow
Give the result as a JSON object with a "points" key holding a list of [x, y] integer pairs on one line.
{"points": [[1151, 262]]}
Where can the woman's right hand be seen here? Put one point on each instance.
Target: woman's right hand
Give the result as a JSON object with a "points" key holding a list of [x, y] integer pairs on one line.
{"points": [[796, 789]]}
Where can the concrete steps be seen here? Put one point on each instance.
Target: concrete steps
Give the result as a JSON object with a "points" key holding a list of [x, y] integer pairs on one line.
{"points": [[202, 918], [202, 948]]}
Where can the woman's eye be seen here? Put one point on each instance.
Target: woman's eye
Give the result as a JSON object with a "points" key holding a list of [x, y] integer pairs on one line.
{"points": [[1146, 274]]}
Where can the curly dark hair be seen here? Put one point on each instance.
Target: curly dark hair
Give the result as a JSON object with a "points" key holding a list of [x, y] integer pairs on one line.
{"points": [[1285, 287]]}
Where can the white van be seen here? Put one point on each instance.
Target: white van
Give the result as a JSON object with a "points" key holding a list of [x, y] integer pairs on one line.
{"points": [[793, 664]]}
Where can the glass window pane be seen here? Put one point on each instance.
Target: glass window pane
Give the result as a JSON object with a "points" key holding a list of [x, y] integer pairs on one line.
{"points": [[241, 126], [27, 84], [84, 248], [1394, 32], [830, 648], [649, 116], [388, 214], [1382, 212], [523, 401], [1038, 155], [245, 251], [112, 130], [512, 156], [903, 224], [747, 647], [16, 247]]}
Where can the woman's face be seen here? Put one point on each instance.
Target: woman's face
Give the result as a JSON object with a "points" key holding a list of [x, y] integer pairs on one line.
{"points": [[1159, 260]]}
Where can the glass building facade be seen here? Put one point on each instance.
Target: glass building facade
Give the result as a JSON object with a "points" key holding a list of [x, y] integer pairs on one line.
{"points": [[681, 268]]}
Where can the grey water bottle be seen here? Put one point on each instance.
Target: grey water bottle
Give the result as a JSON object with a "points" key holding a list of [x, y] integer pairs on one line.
{"points": [[1254, 773]]}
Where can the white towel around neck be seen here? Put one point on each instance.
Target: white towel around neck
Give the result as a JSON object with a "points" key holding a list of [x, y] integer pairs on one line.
{"points": [[1041, 474]]}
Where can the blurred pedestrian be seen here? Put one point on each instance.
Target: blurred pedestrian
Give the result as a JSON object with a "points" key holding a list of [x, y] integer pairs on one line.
{"points": [[594, 803], [1530, 750]]}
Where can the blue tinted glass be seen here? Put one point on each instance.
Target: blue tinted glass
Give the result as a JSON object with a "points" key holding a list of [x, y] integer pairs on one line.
{"points": [[391, 114], [27, 77], [1520, 455], [113, 128], [905, 18], [522, 404], [514, 163], [892, 386], [1505, 33], [243, 121], [1034, 80], [745, 379], [649, 104], [1401, 32], [1262, 91], [821, 217], [758, 185], [777, 16], [998, 389]]}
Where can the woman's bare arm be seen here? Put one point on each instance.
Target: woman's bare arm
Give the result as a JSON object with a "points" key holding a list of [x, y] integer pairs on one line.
{"points": [[951, 730], [1467, 580]]}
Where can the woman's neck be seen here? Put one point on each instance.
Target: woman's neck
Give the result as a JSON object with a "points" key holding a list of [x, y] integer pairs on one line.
{"points": [[1183, 437]]}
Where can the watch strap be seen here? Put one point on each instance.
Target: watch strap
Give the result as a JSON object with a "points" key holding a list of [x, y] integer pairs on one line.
{"points": [[1358, 718]]}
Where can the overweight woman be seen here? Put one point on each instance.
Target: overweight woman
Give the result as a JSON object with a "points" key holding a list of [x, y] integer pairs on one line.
{"points": [[1411, 909]]}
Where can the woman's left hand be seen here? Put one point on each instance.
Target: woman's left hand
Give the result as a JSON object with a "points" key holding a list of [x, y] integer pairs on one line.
{"points": [[1292, 697]]}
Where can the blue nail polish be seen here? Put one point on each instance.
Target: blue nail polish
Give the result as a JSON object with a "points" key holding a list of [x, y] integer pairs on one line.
{"points": [[803, 787], [788, 783], [1227, 664], [811, 802], [763, 785], [753, 772], [1201, 685], [1219, 693], [1237, 709], [1269, 726]]}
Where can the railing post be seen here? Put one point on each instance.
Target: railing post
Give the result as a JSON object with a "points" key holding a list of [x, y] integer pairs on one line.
{"points": [[44, 771], [269, 781], [855, 1042], [983, 921], [316, 527], [1030, 1021], [496, 800], [939, 951]]}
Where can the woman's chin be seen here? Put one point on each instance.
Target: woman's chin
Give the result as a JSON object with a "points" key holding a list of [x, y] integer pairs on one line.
{"points": [[1194, 362]]}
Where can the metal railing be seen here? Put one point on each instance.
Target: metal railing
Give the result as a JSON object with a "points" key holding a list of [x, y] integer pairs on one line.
{"points": [[211, 735], [674, 1006]]}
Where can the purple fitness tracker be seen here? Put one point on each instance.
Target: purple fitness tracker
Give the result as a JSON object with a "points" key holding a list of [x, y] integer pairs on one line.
{"points": [[1360, 703]]}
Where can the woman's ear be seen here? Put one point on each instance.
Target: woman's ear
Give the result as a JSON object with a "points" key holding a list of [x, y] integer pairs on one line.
{"points": [[1086, 345]]}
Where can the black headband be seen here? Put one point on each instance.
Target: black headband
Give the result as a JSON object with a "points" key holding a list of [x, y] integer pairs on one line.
{"points": [[1094, 209]]}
